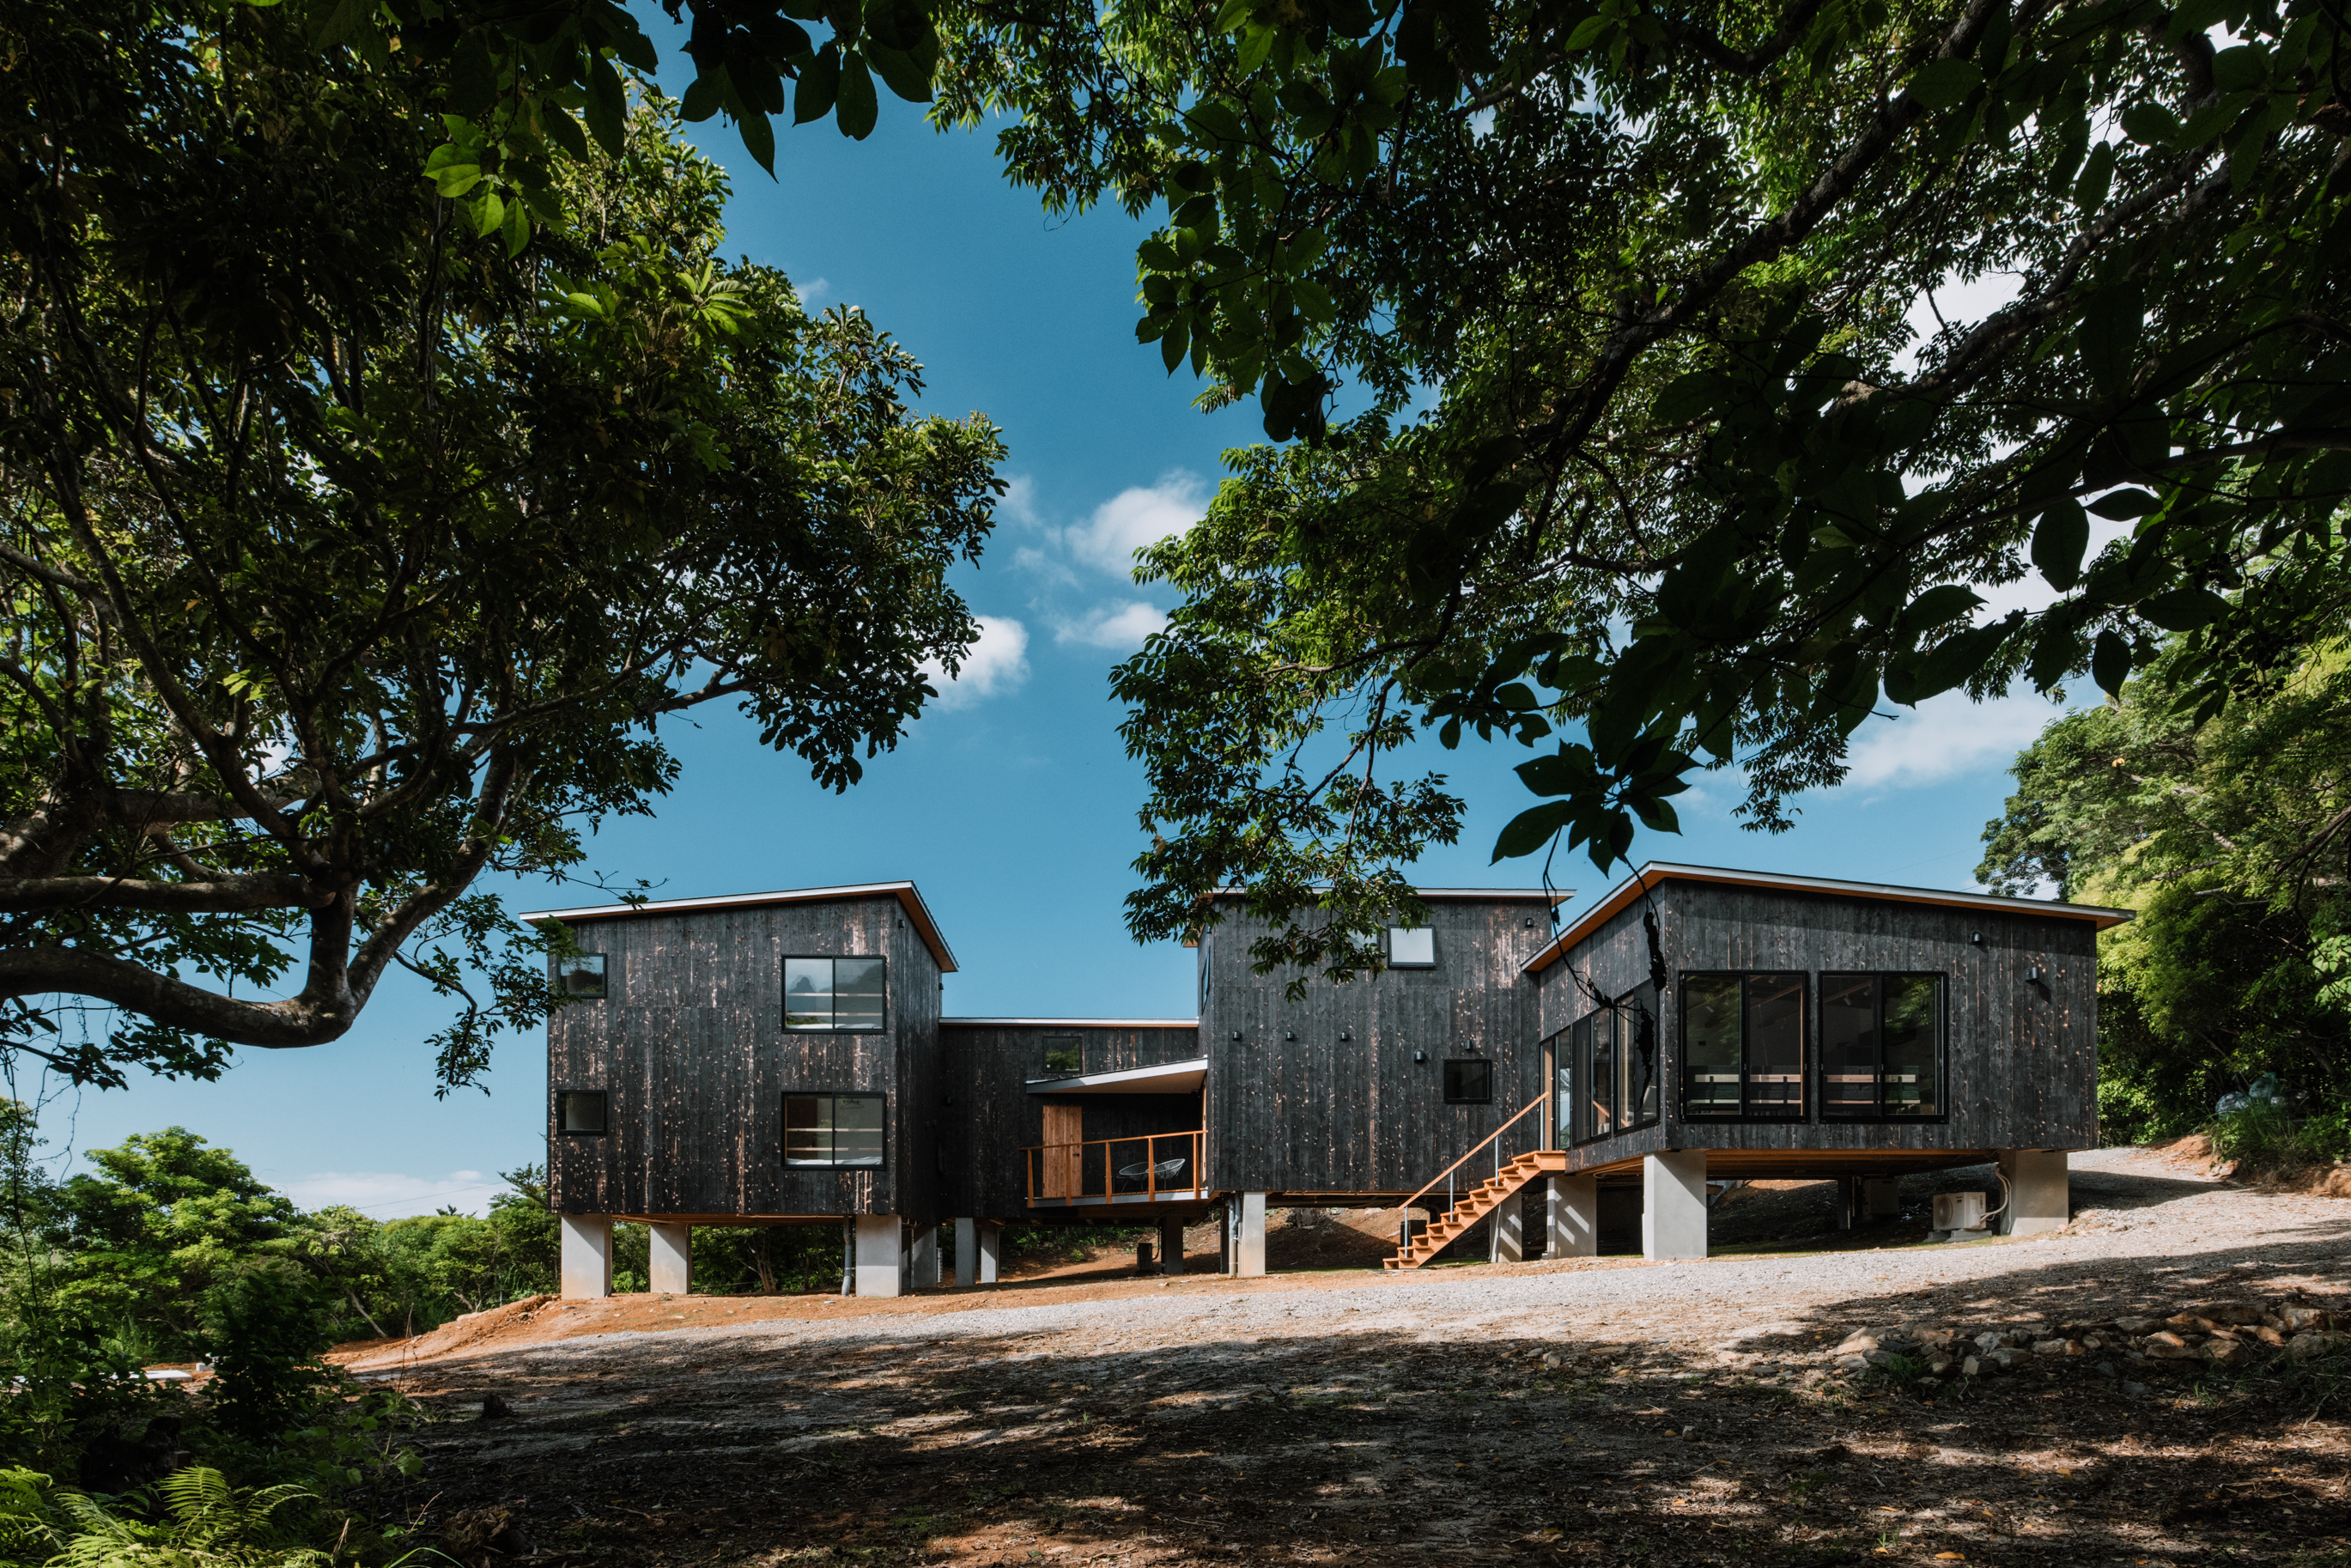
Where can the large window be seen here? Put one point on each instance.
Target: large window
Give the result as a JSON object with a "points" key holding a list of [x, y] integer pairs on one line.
{"points": [[1064, 1054], [579, 1111], [581, 975], [832, 1129], [839, 995], [1607, 1064], [1743, 1046], [1882, 1046]]}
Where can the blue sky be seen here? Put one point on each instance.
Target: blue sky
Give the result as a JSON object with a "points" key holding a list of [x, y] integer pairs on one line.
{"points": [[1012, 804]]}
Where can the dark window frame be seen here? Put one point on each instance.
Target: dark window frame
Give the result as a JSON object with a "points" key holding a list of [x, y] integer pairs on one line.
{"points": [[1049, 1070], [1808, 1034], [784, 1116], [1446, 1082], [784, 973], [1621, 1020], [1387, 949], [555, 1110], [1942, 1047], [604, 973]]}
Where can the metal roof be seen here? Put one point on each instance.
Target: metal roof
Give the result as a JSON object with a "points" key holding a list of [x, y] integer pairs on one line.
{"points": [[1163, 1078], [1656, 873], [908, 898], [1071, 1023]]}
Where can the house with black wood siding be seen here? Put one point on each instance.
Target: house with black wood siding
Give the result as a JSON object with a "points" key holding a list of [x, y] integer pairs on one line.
{"points": [[781, 1059]]}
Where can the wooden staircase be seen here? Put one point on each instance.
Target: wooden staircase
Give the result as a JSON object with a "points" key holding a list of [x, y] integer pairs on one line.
{"points": [[1474, 1205]]}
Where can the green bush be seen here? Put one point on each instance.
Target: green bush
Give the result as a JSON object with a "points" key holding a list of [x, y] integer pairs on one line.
{"points": [[264, 1328], [2266, 1139]]}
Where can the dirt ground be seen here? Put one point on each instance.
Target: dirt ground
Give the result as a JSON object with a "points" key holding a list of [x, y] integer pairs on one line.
{"points": [[1579, 1412]]}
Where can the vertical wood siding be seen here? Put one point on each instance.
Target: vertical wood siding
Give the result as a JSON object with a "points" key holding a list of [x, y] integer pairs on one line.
{"points": [[2020, 1060], [690, 1046], [1315, 1114]]}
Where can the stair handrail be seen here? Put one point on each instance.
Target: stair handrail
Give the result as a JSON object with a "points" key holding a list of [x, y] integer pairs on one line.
{"points": [[1463, 1160]]}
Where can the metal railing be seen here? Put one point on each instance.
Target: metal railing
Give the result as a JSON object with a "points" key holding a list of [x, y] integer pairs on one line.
{"points": [[1447, 1174], [1161, 1166]]}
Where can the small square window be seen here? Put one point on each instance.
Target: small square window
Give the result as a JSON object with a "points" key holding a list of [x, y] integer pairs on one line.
{"points": [[1064, 1054], [579, 1111], [581, 975], [1469, 1080], [1412, 947]]}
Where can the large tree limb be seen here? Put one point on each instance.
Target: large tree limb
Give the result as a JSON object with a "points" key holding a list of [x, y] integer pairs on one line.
{"points": [[222, 896]]}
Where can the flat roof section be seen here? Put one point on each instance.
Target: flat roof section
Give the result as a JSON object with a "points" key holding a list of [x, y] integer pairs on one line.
{"points": [[1657, 873], [1166, 1077], [909, 900]]}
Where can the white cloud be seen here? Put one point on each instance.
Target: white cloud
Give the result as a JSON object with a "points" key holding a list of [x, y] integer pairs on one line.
{"points": [[1138, 516], [1019, 501], [996, 664], [1122, 625], [1944, 737], [387, 1195], [814, 290]]}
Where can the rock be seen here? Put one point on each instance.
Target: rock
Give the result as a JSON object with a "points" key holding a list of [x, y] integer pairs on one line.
{"points": [[2315, 1342], [1551, 1358], [2166, 1340], [2187, 1322], [2269, 1336], [2135, 1390], [2176, 1351], [2049, 1347], [493, 1406], [1988, 1340], [2300, 1318], [1970, 1367], [2226, 1351], [2003, 1358], [2105, 1369], [1936, 1339], [1939, 1364], [2231, 1312], [1852, 1364]]}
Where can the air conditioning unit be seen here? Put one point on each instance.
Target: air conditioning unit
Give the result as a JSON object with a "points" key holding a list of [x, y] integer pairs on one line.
{"points": [[1958, 1211]]}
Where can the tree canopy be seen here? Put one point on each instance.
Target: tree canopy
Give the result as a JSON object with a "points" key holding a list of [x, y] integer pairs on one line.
{"points": [[2231, 836], [351, 557], [1589, 329]]}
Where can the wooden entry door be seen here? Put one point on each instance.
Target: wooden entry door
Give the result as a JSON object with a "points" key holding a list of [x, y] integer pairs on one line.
{"points": [[1064, 1151]]}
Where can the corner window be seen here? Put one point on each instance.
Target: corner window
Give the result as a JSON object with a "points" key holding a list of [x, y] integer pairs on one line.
{"points": [[846, 996], [1412, 947], [579, 1111], [581, 975], [832, 1130], [1064, 1054], [1743, 1046], [1607, 1066], [1882, 1047], [1469, 1080]]}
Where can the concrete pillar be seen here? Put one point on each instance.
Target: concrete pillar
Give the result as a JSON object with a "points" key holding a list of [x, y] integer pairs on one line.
{"points": [[1171, 1246], [1245, 1214], [1881, 1197], [2040, 1196], [991, 1248], [1574, 1215], [879, 1256], [1507, 1238], [1673, 1205], [927, 1257], [967, 1252], [1845, 1205], [1225, 1237], [673, 1258], [587, 1255]]}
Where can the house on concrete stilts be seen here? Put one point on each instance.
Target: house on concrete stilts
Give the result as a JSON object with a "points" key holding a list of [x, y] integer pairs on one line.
{"points": [[780, 1059]]}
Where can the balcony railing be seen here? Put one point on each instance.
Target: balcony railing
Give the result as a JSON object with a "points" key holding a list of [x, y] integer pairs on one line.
{"points": [[1161, 1168]]}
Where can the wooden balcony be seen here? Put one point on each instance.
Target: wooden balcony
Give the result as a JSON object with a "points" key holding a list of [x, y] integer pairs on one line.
{"points": [[1115, 1172]]}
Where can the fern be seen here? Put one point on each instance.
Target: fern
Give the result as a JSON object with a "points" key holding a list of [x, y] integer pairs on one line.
{"points": [[208, 1523]]}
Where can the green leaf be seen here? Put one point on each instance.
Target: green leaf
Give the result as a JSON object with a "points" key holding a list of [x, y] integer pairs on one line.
{"points": [[820, 87], [703, 95], [563, 131], [759, 140], [342, 23], [2110, 662], [902, 73], [489, 211], [608, 106], [2097, 176], [2059, 543], [1587, 33], [1690, 398], [1533, 828], [2151, 124], [455, 179], [517, 228], [859, 105], [1938, 607], [1939, 84], [2122, 506], [2184, 608]]}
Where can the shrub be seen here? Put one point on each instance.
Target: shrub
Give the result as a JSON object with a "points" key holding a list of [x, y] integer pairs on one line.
{"points": [[263, 1328]]}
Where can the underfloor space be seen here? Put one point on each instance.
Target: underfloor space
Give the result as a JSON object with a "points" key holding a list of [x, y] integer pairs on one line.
{"points": [[1597, 1411]]}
